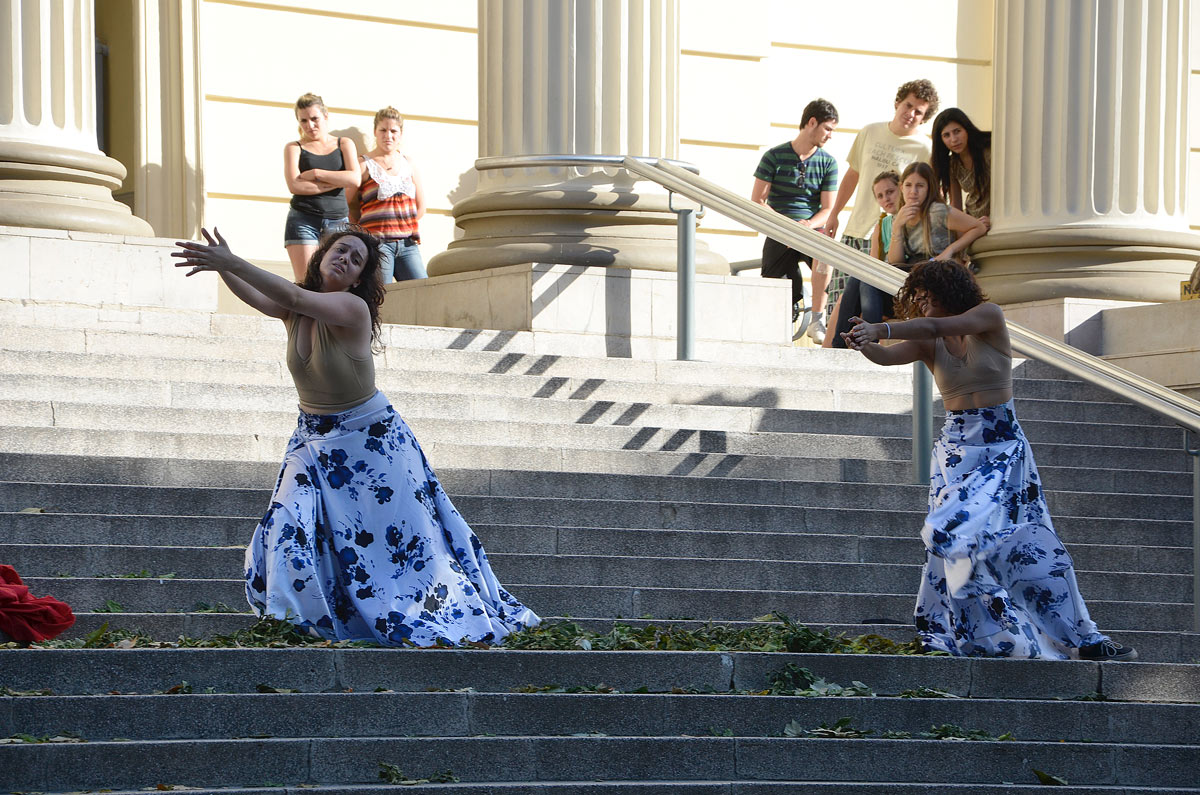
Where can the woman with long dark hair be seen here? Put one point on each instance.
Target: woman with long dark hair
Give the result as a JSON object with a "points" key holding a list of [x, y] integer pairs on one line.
{"points": [[997, 581], [359, 541], [962, 161]]}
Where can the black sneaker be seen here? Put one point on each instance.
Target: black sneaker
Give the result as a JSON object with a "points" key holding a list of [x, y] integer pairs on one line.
{"points": [[795, 311], [1107, 651]]}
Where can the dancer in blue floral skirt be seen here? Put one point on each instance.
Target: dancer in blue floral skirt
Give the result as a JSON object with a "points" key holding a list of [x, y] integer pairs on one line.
{"points": [[997, 581], [360, 542]]}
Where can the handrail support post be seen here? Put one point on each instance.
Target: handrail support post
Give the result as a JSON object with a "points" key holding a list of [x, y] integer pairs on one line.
{"points": [[685, 278], [922, 423], [1194, 453]]}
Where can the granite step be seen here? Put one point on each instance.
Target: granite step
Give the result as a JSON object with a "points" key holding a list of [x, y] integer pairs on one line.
{"points": [[47, 537], [1164, 646], [873, 412], [610, 494], [200, 716], [178, 594], [1116, 545], [674, 571], [348, 760], [830, 458], [334, 670], [626, 787], [519, 516]]}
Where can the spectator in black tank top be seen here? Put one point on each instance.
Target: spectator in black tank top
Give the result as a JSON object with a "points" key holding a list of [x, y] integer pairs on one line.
{"points": [[318, 169]]}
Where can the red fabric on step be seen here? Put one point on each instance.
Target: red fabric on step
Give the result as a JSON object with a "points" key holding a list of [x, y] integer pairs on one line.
{"points": [[27, 618]]}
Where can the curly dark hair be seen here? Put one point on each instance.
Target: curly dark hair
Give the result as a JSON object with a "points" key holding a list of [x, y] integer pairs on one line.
{"points": [[978, 142], [370, 283], [950, 283], [922, 90]]}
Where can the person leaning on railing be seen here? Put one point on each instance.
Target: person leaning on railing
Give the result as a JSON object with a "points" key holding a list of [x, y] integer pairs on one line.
{"points": [[962, 161], [860, 299], [925, 228]]}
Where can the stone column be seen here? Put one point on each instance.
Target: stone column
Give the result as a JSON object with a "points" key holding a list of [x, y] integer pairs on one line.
{"points": [[1089, 152], [573, 77], [52, 173], [168, 183]]}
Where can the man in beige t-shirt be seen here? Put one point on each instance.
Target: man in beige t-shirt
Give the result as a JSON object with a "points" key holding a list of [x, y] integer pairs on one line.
{"points": [[879, 147]]}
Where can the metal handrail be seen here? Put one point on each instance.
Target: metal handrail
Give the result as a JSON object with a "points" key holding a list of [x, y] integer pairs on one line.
{"points": [[682, 178], [565, 161], [1136, 389]]}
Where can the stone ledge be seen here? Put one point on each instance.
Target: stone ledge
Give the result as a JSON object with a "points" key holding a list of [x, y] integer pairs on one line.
{"points": [[97, 270], [613, 311]]}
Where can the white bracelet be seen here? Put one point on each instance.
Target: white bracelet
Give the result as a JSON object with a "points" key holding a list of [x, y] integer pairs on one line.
{"points": [[889, 328]]}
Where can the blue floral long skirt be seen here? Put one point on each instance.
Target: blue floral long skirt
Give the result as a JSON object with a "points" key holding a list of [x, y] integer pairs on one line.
{"points": [[997, 581], [360, 542]]}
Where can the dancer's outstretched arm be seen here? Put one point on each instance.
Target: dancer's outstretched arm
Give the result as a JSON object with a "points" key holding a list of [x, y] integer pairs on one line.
{"points": [[905, 352], [980, 319], [270, 294]]}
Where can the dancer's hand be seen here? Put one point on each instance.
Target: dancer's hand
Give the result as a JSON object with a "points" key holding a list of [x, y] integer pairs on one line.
{"points": [[862, 333], [211, 256]]}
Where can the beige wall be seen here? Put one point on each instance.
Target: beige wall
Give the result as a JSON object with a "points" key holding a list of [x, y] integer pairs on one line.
{"points": [[257, 57], [1193, 190], [747, 70], [747, 76]]}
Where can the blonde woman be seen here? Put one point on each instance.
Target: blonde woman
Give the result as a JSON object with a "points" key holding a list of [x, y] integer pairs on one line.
{"points": [[925, 228], [388, 201], [318, 168]]}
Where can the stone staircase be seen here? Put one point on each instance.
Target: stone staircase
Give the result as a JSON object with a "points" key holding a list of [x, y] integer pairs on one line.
{"points": [[137, 449]]}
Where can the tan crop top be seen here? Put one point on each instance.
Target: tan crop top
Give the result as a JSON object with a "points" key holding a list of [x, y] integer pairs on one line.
{"points": [[981, 368], [330, 380]]}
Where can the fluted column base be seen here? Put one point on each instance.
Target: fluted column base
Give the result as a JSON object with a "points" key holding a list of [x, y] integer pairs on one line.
{"points": [[49, 187], [1121, 264], [567, 226]]}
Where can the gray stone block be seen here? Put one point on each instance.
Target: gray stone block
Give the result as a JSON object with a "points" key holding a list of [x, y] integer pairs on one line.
{"points": [[146, 670], [1011, 678], [1151, 682], [524, 759], [261, 715], [885, 674], [1156, 765], [76, 766], [920, 760], [367, 669]]}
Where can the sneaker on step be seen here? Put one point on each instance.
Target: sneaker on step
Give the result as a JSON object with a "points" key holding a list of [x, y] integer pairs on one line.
{"points": [[1107, 650], [816, 329]]}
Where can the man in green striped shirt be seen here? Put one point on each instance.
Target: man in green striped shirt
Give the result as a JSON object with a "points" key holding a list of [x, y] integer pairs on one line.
{"points": [[799, 179]]}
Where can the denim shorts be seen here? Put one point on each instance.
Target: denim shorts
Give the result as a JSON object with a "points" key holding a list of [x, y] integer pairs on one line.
{"points": [[303, 229], [400, 260]]}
